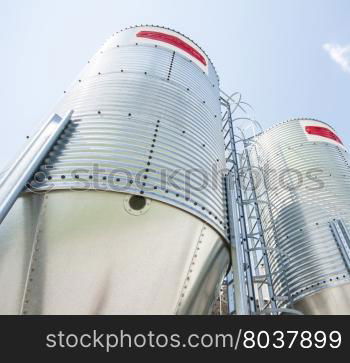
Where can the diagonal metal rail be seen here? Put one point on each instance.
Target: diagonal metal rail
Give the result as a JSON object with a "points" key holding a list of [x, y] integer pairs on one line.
{"points": [[16, 178]]}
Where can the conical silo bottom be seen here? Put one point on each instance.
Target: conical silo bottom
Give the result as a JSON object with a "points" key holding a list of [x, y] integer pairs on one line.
{"points": [[333, 300], [97, 252]]}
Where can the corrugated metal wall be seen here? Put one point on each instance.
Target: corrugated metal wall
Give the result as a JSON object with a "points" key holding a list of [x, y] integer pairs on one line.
{"points": [[307, 180], [143, 111]]}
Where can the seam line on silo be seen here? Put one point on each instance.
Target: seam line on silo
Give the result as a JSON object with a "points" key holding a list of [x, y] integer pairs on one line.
{"points": [[33, 259], [190, 269], [171, 66]]}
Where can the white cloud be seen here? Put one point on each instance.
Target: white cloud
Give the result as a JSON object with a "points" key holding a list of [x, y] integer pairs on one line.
{"points": [[340, 54]]}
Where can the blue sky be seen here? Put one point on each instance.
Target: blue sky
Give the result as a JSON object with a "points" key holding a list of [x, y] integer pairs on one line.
{"points": [[288, 58]]}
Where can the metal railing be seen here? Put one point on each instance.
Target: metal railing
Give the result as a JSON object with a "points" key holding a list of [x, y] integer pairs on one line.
{"points": [[250, 283]]}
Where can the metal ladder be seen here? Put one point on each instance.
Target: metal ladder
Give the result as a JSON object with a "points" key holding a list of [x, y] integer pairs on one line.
{"points": [[251, 280]]}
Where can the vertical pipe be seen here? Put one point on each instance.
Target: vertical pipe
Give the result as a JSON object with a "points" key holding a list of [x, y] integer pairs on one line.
{"points": [[238, 198], [240, 292]]}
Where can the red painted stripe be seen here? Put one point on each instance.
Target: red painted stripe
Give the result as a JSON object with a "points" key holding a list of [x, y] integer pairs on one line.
{"points": [[322, 131], [173, 40]]}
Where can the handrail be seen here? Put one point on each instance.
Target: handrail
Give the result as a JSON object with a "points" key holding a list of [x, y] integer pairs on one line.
{"points": [[15, 179]]}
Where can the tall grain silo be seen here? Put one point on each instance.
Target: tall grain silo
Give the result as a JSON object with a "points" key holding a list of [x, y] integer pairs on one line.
{"points": [[302, 176], [125, 215]]}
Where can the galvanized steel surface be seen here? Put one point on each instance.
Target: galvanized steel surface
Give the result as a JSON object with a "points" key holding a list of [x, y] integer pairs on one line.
{"points": [[15, 180], [86, 252], [142, 111], [308, 185], [331, 301]]}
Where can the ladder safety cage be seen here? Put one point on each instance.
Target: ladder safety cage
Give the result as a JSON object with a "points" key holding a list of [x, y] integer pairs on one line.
{"points": [[251, 279]]}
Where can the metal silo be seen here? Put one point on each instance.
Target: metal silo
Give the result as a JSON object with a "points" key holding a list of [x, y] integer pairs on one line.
{"points": [[302, 178], [126, 214]]}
